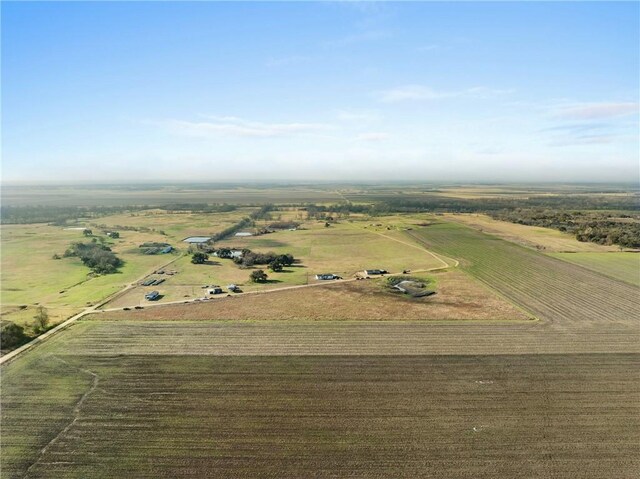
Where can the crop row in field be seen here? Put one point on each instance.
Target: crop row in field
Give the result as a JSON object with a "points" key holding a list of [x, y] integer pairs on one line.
{"points": [[72, 416], [548, 287], [97, 337], [620, 265]]}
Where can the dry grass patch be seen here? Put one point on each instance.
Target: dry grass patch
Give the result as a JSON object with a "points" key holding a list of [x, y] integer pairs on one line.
{"points": [[544, 239], [458, 297]]}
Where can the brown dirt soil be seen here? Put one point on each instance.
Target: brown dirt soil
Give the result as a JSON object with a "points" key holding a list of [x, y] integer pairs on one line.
{"points": [[446, 417], [458, 297]]}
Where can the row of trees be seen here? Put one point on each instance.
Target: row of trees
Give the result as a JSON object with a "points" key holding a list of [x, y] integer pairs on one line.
{"points": [[276, 262]]}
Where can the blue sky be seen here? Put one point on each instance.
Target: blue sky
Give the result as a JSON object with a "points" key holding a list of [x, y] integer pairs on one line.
{"points": [[330, 91]]}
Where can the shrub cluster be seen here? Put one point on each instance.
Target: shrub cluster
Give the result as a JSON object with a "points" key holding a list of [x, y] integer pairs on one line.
{"points": [[275, 261], [12, 335], [96, 256]]}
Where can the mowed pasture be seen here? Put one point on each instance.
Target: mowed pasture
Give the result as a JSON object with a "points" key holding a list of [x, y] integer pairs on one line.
{"points": [[458, 297], [547, 287], [71, 413], [344, 248], [177, 225], [30, 276], [622, 265]]}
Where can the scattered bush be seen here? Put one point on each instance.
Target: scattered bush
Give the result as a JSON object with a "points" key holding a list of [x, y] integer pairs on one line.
{"points": [[41, 320], [199, 258], [258, 276], [12, 335]]}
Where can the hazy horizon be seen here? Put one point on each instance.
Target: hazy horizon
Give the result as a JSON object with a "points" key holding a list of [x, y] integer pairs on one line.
{"points": [[330, 92]]}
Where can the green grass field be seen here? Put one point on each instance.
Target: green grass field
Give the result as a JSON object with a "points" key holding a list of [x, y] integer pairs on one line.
{"points": [[30, 275], [344, 249], [548, 287], [623, 266], [177, 226], [114, 399]]}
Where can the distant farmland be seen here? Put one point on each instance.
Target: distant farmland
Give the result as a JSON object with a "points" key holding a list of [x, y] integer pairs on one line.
{"points": [[550, 288]]}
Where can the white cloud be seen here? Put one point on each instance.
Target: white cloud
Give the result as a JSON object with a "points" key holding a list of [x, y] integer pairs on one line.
{"points": [[425, 93], [365, 116], [410, 92], [373, 136], [594, 111], [228, 126], [273, 62], [595, 139]]}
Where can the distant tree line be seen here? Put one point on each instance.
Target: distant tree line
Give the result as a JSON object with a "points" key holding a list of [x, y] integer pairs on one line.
{"points": [[58, 215], [233, 229], [284, 225], [63, 215], [198, 208], [435, 204], [592, 226], [98, 257], [588, 218], [261, 213]]}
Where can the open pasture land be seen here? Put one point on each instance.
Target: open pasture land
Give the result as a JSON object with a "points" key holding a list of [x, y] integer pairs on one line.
{"points": [[547, 287], [30, 276], [72, 412], [621, 265], [458, 297], [544, 239], [177, 226], [343, 249]]}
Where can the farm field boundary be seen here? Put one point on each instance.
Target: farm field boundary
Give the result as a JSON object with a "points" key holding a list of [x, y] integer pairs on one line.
{"points": [[624, 266], [552, 289]]}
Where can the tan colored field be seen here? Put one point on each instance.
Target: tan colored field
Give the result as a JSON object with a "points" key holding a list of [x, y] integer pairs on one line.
{"points": [[543, 239], [177, 226], [458, 297]]}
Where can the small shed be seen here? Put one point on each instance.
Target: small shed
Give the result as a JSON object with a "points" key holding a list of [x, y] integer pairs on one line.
{"points": [[373, 272], [152, 296], [326, 276], [197, 239]]}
